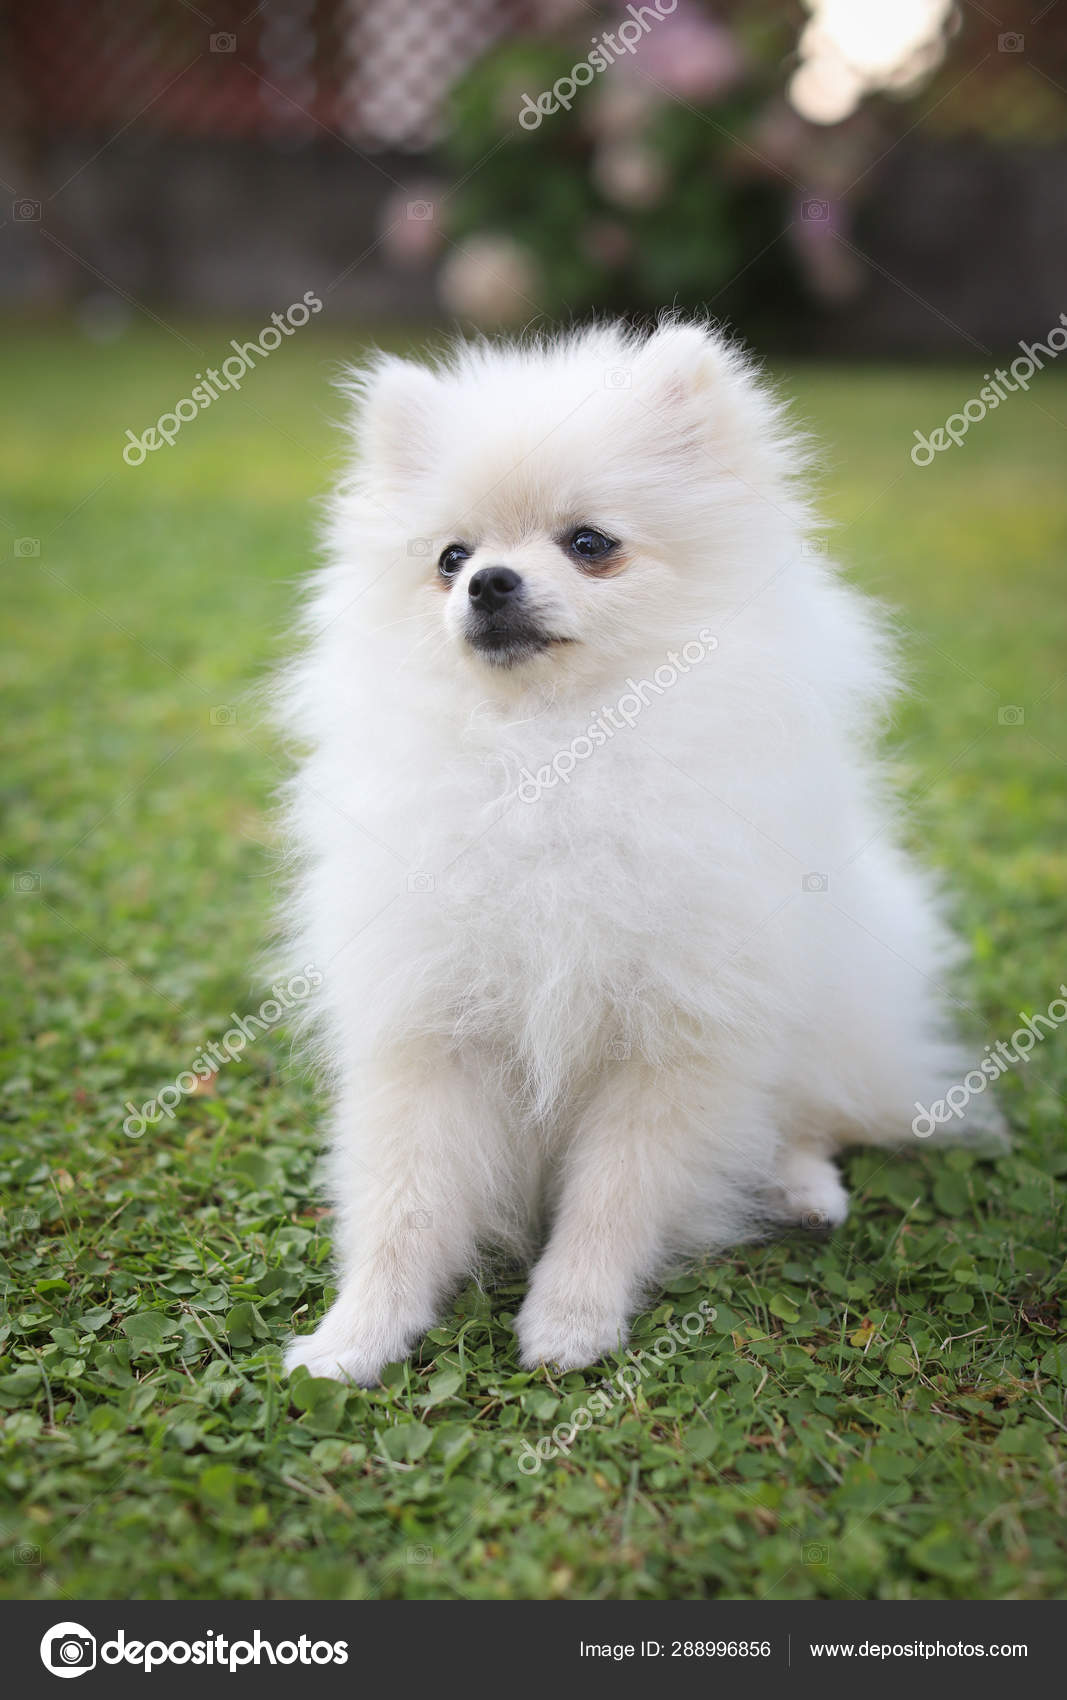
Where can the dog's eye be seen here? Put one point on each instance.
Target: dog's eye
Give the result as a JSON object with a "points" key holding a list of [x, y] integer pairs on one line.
{"points": [[451, 559], [589, 544]]}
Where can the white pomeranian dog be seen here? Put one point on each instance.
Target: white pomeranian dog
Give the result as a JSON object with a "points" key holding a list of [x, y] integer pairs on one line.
{"points": [[617, 946]]}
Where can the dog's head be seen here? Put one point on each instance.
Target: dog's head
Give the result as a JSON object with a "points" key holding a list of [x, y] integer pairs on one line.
{"points": [[572, 503]]}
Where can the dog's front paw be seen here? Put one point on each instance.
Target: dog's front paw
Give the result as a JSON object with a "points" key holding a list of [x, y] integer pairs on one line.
{"points": [[329, 1362], [567, 1333], [336, 1353]]}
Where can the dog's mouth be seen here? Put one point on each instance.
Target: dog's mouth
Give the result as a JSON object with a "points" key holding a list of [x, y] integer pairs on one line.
{"points": [[507, 643]]}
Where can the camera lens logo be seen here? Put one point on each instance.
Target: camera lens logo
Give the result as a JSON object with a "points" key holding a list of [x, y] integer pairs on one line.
{"points": [[68, 1649]]}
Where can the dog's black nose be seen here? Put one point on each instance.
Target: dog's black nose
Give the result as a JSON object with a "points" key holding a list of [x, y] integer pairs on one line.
{"points": [[493, 587]]}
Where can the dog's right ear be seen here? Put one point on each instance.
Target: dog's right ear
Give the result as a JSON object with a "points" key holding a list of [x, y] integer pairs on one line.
{"points": [[394, 412]]}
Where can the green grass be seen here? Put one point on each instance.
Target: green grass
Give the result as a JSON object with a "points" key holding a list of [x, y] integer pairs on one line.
{"points": [[881, 1415]]}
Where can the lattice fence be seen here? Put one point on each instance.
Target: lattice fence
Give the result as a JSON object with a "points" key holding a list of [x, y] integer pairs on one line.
{"points": [[376, 72]]}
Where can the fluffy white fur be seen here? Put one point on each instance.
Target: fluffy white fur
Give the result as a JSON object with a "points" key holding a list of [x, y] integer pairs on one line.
{"points": [[620, 1024]]}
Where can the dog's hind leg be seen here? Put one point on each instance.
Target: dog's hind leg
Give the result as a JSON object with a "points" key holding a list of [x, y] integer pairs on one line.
{"points": [[811, 1190], [663, 1163]]}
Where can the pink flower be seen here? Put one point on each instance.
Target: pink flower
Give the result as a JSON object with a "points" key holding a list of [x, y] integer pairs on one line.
{"points": [[491, 279], [629, 174], [620, 105], [409, 228], [832, 271], [690, 55]]}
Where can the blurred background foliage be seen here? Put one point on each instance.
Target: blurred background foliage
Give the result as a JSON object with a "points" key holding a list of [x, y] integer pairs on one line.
{"points": [[632, 198], [876, 176], [672, 173]]}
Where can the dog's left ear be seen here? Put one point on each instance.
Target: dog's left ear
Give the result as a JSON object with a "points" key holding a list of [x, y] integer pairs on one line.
{"points": [[682, 363], [703, 388]]}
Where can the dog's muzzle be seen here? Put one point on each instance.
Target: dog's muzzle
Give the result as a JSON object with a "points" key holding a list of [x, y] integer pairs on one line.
{"points": [[498, 624]]}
